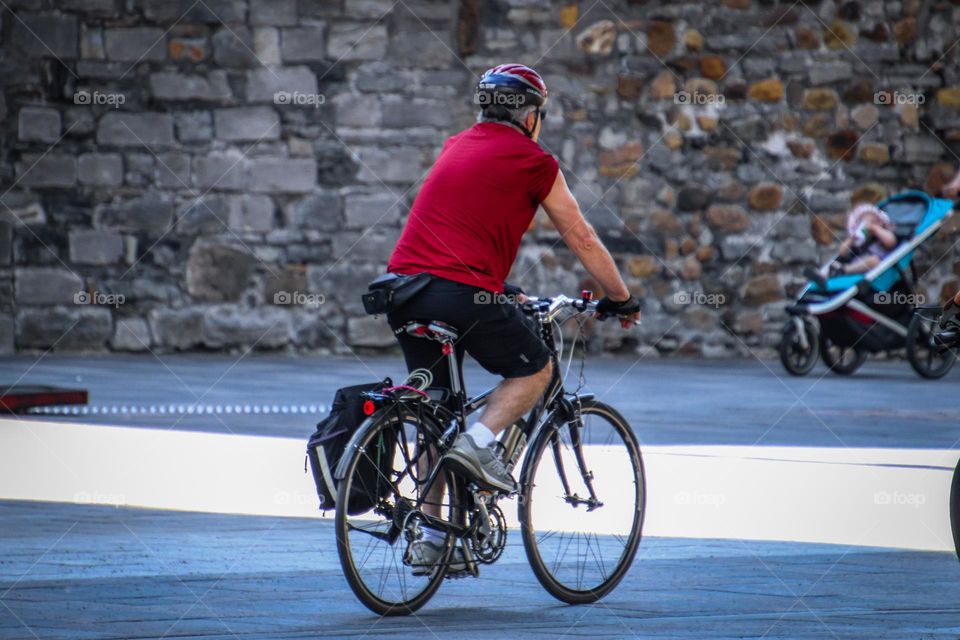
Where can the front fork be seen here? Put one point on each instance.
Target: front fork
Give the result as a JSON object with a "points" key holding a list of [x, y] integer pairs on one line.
{"points": [[575, 425]]}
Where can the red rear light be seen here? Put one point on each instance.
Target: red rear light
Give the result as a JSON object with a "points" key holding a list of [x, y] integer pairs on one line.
{"points": [[369, 406]]}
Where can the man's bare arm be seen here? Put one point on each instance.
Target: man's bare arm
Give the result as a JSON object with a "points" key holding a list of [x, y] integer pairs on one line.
{"points": [[564, 212]]}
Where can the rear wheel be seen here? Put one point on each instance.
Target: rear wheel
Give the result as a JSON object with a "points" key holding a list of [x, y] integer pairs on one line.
{"points": [[922, 352], [580, 549], [796, 358], [373, 545], [841, 360]]}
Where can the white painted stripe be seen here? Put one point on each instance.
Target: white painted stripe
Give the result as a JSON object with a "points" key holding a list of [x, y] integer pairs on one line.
{"points": [[872, 497]]}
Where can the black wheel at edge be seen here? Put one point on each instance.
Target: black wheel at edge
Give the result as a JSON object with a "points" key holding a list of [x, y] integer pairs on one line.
{"points": [[535, 458], [796, 360], [922, 355]]}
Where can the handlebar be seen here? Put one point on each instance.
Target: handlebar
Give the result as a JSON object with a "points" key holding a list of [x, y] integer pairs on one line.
{"points": [[551, 307]]}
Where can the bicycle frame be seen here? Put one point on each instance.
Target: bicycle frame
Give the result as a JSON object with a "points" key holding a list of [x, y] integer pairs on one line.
{"points": [[554, 404]]}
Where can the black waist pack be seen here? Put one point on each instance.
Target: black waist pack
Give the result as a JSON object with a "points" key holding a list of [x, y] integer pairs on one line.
{"points": [[327, 445], [391, 291]]}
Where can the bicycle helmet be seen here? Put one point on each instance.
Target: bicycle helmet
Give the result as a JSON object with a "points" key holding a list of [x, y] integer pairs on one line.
{"points": [[511, 86]]}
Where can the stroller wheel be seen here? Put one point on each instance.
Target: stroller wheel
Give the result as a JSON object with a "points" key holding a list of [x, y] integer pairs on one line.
{"points": [[798, 359], [926, 357], [841, 360]]}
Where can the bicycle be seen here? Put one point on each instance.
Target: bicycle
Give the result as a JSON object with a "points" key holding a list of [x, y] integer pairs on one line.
{"points": [[597, 465]]}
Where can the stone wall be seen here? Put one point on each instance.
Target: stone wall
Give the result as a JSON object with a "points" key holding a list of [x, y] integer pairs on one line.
{"points": [[227, 174]]}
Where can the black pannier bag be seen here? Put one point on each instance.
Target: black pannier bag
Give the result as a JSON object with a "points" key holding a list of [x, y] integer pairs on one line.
{"points": [[327, 444]]}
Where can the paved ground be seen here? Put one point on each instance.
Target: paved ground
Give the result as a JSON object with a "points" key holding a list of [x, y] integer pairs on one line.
{"points": [[74, 571], [97, 572], [667, 402]]}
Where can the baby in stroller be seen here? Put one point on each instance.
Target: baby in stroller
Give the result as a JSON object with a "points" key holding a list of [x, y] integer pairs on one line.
{"points": [[870, 238]]}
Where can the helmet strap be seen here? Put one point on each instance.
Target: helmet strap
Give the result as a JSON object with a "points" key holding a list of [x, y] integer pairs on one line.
{"points": [[522, 126]]}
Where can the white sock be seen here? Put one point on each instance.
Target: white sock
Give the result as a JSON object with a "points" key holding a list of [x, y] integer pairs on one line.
{"points": [[481, 434]]}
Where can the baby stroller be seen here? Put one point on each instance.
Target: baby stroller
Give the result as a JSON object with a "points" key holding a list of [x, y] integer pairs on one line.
{"points": [[857, 314]]}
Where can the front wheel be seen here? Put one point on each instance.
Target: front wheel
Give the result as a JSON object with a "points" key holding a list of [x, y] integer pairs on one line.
{"points": [[925, 356], [583, 496], [841, 360], [798, 352]]}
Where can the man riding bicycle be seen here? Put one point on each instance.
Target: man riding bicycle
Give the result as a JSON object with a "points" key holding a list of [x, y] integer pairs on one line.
{"points": [[465, 229]]}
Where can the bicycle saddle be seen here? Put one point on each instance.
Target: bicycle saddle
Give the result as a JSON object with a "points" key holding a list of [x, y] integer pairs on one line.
{"points": [[432, 330]]}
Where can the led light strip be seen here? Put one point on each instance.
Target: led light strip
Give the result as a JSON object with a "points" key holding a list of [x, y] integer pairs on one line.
{"points": [[179, 409]]}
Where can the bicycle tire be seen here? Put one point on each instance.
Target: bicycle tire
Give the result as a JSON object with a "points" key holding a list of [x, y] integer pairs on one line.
{"points": [[547, 578], [386, 419]]}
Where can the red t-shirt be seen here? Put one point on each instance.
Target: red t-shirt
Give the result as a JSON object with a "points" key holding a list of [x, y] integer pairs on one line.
{"points": [[474, 207]]}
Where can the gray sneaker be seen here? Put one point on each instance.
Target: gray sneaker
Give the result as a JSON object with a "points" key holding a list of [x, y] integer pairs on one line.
{"points": [[480, 464], [425, 554]]}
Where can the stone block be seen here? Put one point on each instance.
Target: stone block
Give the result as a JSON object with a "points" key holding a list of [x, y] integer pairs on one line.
{"points": [[302, 44], [357, 41], [49, 170], [135, 44], [218, 272], [100, 169], [45, 35], [177, 328], [131, 334], [45, 285], [260, 327], [219, 171], [173, 170], [63, 329], [193, 126], [367, 331], [322, 210], [389, 165], [233, 47], [247, 123], [96, 247], [263, 84], [281, 175], [251, 213], [273, 13], [151, 213], [170, 85], [366, 209], [135, 129], [38, 124]]}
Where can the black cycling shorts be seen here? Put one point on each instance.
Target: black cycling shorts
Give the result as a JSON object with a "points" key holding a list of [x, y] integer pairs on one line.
{"points": [[492, 330]]}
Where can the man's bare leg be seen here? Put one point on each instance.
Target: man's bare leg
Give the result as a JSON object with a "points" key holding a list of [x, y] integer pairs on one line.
{"points": [[509, 402], [513, 398]]}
